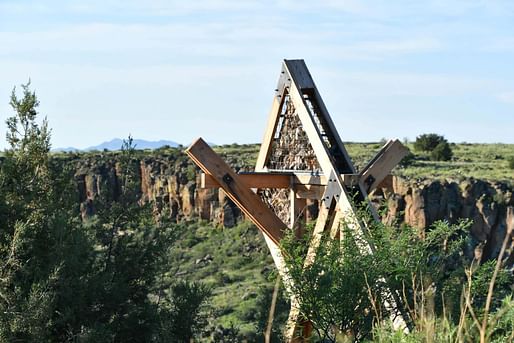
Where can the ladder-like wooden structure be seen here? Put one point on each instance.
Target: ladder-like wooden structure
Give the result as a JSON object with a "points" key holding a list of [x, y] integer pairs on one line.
{"points": [[301, 157]]}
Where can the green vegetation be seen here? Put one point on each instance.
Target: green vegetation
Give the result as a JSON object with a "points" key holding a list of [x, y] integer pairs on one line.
{"points": [[236, 264], [480, 161], [123, 276], [347, 292], [437, 146], [67, 280]]}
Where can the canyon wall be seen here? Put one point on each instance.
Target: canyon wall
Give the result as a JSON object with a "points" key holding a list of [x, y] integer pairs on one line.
{"points": [[170, 185]]}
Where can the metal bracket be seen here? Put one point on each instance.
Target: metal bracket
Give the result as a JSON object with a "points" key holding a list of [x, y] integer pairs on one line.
{"points": [[333, 191]]}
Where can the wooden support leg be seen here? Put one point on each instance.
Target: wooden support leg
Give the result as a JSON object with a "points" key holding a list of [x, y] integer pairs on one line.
{"points": [[298, 330], [297, 209]]}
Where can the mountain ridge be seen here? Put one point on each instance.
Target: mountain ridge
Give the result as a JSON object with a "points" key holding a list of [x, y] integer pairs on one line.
{"points": [[116, 144]]}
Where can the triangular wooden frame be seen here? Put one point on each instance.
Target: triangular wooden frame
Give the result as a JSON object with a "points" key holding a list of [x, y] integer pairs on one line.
{"points": [[338, 180]]}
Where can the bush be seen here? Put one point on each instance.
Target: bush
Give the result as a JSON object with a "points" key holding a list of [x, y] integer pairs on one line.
{"points": [[442, 152], [345, 291], [436, 145], [428, 141]]}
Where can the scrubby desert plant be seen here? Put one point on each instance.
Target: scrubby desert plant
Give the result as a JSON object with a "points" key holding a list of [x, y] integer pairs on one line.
{"points": [[435, 145], [344, 292], [442, 152], [428, 141]]}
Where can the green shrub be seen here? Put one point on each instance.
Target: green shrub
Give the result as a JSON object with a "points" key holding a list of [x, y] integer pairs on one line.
{"points": [[442, 152], [345, 290], [428, 141], [436, 145]]}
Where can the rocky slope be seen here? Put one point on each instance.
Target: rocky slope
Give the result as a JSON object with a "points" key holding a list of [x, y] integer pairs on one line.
{"points": [[170, 183]]}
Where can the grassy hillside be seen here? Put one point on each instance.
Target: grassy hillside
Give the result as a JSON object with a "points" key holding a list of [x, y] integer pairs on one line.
{"points": [[236, 263], [480, 161]]}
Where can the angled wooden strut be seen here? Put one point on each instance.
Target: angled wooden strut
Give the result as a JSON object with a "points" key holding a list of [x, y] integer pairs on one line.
{"points": [[335, 184], [248, 201], [237, 190]]}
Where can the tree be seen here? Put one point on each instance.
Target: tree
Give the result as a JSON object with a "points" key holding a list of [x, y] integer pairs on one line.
{"points": [[184, 315], [37, 233], [62, 279], [427, 141], [437, 146], [442, 152]]}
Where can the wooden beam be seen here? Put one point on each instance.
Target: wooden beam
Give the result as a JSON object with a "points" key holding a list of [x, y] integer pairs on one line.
{"points": [[253, 180], [279, 180], [303, 80], [249, 202], [267, 141], [382, 164], [297, 207], [311, 123], [309, 192], [237, 190], [295, 329]]}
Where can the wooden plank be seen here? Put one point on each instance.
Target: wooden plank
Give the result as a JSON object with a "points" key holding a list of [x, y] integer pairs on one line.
{"points": [[249, 202], [294, 327], [237, 190], [297, 207], [303, 79], [382, 164], [309, 192], [335, 228], [270, 180], [253, 180], [301, 182], [269, 133], [299, 73]]}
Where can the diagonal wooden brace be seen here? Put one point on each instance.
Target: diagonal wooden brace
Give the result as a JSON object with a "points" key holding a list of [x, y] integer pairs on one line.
{"points": [[379, 167], [237, 190]]}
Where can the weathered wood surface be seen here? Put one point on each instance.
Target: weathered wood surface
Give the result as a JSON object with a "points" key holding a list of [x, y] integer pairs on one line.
{"points": [[269, 132], [382, 164], [237, 190], [300, 182]]}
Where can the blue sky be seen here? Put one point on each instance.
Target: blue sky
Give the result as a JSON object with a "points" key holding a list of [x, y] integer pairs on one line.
{"points": [[181, 69]]}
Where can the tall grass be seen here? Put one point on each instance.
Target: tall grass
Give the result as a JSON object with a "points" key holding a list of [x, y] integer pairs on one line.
{"points": [[476, 323]]}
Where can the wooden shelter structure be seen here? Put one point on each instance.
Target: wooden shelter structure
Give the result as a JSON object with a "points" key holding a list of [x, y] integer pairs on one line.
{"points": [[301, 157]]}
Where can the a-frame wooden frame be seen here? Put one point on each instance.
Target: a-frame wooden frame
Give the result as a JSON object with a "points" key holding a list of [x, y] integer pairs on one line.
{"points": [[334, 187]]}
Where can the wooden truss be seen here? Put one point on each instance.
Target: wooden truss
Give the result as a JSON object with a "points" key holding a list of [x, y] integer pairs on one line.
{"points": [[302, 153]]}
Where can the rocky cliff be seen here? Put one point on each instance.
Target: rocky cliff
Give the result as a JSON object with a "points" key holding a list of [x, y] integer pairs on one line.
{"points": [[170, 184]]}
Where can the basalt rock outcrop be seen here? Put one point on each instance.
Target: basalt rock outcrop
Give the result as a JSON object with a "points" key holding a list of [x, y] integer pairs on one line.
{"points": [[170, 185], [489, 205]]}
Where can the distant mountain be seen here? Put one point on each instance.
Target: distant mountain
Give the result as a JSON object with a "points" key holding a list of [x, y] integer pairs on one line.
{"points": [[116, 143]]}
